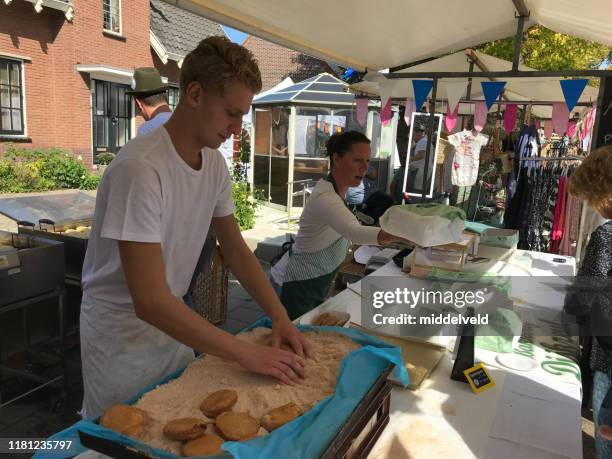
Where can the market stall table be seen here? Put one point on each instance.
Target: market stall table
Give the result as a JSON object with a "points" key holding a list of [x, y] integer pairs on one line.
{"points": [[527, 414]]}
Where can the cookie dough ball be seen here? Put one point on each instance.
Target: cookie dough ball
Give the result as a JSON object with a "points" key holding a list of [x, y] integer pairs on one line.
{"points": [[218, 402], [206, 445], [185, 429], [125, 419], [277, 417], [236, 426]]}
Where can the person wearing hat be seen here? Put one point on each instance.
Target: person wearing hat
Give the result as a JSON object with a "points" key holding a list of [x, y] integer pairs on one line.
{"points": [[152, 206], [150, 96], [416, 164]]}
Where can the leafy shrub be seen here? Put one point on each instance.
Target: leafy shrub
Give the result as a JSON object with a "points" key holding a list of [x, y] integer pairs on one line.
{"points": [[246, 203], [105, 159], [26, 170]]}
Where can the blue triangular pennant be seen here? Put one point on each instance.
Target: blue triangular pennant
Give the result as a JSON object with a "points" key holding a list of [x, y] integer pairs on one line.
{"points": [[572, 89], [491, 90], [421, 91]]}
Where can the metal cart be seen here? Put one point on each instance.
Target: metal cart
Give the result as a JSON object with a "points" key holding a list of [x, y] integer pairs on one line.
{"points": [[32, 272]]}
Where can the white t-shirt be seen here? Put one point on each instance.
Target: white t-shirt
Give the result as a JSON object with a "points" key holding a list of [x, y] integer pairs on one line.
{"points": [[149, 194], [419, 164], [467, 156], [324, 219]]}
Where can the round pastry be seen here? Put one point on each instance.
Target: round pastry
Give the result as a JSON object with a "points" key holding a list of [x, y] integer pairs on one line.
{"points": [[277, 417], [206, 445], [218, 402], [185, 429], [125, 419], [236, 426]]}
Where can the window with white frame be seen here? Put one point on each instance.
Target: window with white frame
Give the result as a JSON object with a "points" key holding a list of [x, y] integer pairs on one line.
{"points": [[11, 98], [173, 96], [112, 15]]}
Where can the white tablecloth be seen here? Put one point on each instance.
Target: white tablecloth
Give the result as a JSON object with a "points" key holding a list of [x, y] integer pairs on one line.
{"points": [[527, 414]]}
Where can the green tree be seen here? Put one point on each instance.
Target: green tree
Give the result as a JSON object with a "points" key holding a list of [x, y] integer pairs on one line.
{"points": [[544, 49]]}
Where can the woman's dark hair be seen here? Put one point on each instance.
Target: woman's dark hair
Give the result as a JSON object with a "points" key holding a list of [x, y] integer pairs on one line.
{"points": [[342, 143]]}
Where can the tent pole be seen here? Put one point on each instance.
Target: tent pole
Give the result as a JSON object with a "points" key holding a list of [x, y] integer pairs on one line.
{"points": [[468, 94], [598, 115], [430, 132], [501, 74], [523, 13]]}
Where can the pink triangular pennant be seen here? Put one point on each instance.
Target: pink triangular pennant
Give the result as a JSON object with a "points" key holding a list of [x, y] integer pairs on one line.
{"points": [[385, 89], [548, 128], [386, 113], [571, 129], [560, 117], [537, 124], [451, 118], [591, 119], [362, 110], [510, 117], [410, 109], [480, 115]]}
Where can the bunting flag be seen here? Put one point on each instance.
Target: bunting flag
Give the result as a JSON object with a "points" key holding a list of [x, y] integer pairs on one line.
{"points": [[386, 113], [572, 89], [454, 92], [362, 110], [480, 116], [385, 89], [421, 91], [590, 121], [510, 117], [491, 90], [571, 129], [410, 109], [560, 117], [548, 128], [451, 118]]}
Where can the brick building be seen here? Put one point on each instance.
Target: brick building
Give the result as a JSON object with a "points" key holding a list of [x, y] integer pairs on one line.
{"points": [[277, 63], [65, 66]]}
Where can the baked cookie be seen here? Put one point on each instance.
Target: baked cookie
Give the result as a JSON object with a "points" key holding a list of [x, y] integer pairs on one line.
{"points": [[331, 318], [125, 419], [218, 402], [236, 426], [206, 445], [185, 429], [277, 417]]}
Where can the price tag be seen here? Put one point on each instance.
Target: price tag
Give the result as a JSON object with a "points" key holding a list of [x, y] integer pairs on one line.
{"points": [[479, 378]]}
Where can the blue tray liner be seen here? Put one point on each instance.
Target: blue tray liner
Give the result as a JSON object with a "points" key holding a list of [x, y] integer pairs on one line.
{"points": [[306, 437]]}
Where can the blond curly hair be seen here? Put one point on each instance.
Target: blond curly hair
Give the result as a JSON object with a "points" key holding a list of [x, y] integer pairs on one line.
{"points": [[216, 62], [592, 180]]}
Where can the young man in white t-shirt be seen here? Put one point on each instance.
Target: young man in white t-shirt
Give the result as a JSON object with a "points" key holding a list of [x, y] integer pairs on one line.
{"points": [[154, 205]]}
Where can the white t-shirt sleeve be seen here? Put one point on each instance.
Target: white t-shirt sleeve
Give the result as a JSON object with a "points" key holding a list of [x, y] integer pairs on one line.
{"points": [[224, 205], [330, 209], [421, 145], [134, 203]]}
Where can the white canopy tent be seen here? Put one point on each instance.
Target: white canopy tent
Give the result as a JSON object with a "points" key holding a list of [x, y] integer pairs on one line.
{"points": [[368, 35], [516, 89]]}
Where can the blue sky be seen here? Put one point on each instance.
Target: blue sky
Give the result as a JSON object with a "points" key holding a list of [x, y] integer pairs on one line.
{"points": [[235, 35]]}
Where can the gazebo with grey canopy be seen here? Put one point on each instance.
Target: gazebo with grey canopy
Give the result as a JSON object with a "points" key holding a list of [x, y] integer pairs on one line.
{"points": [[291, 126]]}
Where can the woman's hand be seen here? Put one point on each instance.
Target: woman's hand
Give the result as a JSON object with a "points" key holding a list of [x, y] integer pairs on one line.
{"points": [[284, 332], [385, 238], [283, 365]]}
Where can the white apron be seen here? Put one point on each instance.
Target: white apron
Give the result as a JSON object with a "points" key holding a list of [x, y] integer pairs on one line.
{"points": [[121, 355]]}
